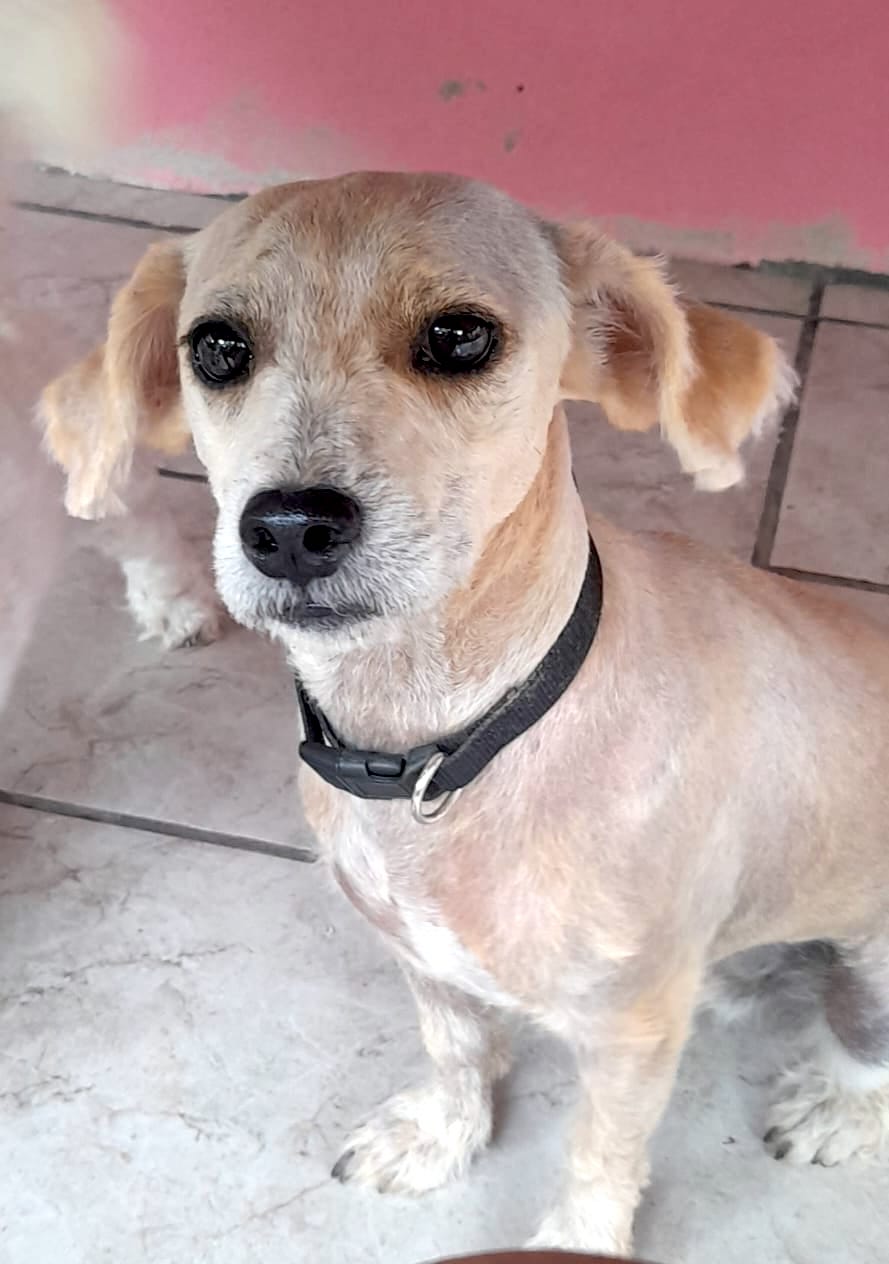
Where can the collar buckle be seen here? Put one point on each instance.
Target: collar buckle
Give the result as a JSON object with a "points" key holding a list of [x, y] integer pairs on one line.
{"points": [[375, 774]]}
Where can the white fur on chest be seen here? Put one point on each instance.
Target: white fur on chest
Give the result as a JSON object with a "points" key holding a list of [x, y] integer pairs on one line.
{"points": [[385, 883]]}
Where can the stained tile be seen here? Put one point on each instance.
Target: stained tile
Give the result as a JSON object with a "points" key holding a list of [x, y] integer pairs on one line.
{"points": [[189, 1033], [635, 480], [835, 515], [742, 287], [857, 302]]}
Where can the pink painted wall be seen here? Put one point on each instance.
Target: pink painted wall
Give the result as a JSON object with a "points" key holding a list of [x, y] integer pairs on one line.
{"points": [[728, 128]]}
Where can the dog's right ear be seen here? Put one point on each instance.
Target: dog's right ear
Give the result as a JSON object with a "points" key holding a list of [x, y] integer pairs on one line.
{"points": [[125, 393]]}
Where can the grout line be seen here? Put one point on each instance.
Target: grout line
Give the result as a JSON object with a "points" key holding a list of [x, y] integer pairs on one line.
{"points": [[744, 307], [100, 217], [797, 268], [777, 311], [148, 824], [854, 324], [51, 169], [774, 494], [830, 581], [183, 476]]}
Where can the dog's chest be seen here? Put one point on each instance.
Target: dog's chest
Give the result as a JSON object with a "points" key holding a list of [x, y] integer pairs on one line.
{"points": [[381, 872]]}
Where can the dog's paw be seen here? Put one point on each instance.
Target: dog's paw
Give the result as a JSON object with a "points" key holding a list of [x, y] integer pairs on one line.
{"points": [[416, 1142], [189, 622], [180, 622], [171, 602], [813, 1119]]}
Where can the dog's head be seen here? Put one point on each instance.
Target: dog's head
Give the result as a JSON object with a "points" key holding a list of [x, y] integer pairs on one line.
{"points": [[369, 367]]}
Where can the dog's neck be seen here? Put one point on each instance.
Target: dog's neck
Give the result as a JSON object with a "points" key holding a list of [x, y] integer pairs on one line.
{"points": [[452, 664]]}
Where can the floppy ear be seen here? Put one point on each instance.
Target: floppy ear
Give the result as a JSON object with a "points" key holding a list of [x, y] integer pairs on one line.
{"points": [[708, 379], [124, 393]]}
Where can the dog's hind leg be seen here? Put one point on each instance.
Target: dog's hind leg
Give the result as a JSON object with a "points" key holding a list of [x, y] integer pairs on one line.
{"points": [[423, 1137], [833, 1104]]}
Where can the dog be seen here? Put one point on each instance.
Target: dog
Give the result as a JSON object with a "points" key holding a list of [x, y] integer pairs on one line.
{"points": [[674, 757]]}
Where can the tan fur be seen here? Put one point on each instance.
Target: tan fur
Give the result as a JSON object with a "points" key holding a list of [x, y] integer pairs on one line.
{"points": [[123, 393], [713, 779], [709, 379]]}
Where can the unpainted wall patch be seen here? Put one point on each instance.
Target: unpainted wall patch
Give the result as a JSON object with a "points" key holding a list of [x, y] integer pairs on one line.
{"points": [[451, 89], [511, 139]]}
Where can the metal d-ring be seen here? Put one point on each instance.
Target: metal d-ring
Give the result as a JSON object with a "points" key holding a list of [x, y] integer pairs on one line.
{"points": [[440, 805]]}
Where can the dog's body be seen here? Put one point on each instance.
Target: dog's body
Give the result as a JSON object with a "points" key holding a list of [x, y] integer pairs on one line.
{"points": [[714, 777]]}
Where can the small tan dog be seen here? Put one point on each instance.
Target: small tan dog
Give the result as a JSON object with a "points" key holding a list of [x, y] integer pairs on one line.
{"points": [[372, 369]]}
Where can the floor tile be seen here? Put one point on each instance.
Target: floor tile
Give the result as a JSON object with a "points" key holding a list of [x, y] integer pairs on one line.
{"points": [[204, 737], [874, 605], [635, 480], [742, 287], [188, 1034], [72, 268], [163, 207], [869, 304], [835, 513]]}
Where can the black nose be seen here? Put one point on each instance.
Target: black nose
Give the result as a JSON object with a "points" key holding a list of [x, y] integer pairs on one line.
{"points": [[299, 535]]}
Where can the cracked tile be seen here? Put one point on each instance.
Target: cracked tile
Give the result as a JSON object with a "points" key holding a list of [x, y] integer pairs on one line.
{"points": [[192, 1031]]}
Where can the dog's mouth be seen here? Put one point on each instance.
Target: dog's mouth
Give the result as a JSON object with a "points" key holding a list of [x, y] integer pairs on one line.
{"points": [[296, 610]]}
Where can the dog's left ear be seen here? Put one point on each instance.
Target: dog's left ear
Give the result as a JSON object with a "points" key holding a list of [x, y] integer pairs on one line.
{"points": [[125, 394], [708, 379]]}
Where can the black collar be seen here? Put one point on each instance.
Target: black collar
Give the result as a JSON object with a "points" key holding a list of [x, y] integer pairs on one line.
{"points": [[458, 758]]}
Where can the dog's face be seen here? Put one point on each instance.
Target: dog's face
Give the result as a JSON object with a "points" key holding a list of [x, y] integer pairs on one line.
{"points": [[369, 367]]}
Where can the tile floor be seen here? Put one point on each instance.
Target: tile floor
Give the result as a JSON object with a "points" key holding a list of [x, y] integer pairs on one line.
{"points": [[190, 1019]]}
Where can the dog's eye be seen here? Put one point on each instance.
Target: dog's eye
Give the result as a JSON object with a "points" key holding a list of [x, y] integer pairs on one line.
{"points": [[456, 342], [219, 354]]}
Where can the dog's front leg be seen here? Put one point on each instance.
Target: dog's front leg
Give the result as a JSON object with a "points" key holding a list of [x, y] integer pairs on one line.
{"points": [[169, 588], [425, 1136], [626, 1075]]}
